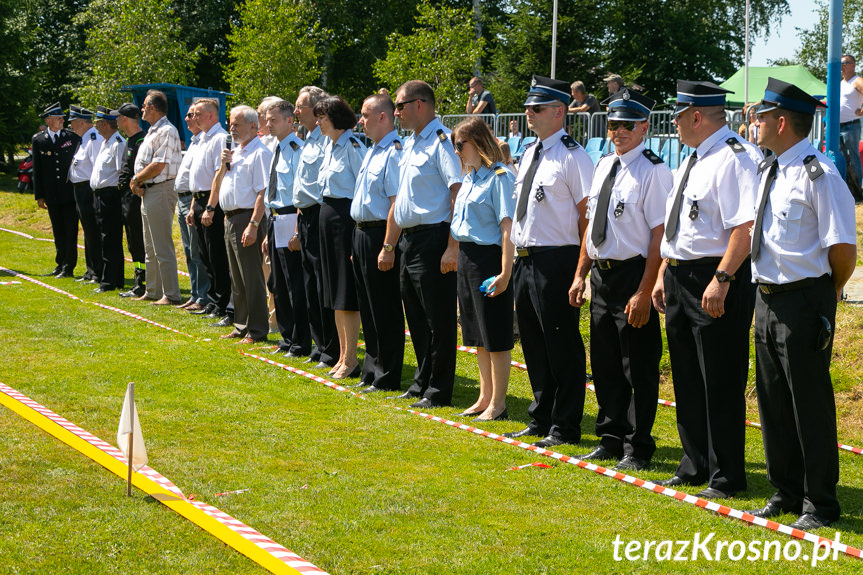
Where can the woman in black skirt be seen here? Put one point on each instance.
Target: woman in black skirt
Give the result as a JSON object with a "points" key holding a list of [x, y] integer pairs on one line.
{"points": [[482, 219], [343, 156]]}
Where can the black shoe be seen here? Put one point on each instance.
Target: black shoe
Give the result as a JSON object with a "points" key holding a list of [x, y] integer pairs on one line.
{"points": [[373, 389], [632, 463], [310, 360], [499, 417], [526, 431], [810, 522], [103, 289], [226, 321], [405, 395], [770, 510], [671, 482], [323, 365], [62, 275], [713, 493], [56, 271], [600, 453], [208, 309], [294, 354], [136, 291], [275, 351], [425, 403], [83, 278], [553, 441], [355, 372], [469, 413]]}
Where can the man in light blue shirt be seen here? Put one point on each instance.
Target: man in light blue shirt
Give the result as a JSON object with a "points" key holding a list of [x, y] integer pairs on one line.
{"points": [[374, 257], [286, 267], [429, 181]]}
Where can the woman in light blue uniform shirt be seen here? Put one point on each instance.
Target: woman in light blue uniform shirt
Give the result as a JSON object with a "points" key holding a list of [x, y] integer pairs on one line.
{"points": [[481, 222], [343, 156]]}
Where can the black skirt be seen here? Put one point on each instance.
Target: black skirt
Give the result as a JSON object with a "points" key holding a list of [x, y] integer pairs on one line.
{"points": [[485, 321], [336, 231]]}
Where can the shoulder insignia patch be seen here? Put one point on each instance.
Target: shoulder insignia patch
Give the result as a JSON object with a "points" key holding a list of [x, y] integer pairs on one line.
{"points": [[93, 136], [441, 135], [294, 146], [735, 146], [354, 142], [397, 144], [765, 163], [650, 155], [813, 167], [533, 143], [500, 171], [567, 141], [119, 139]]}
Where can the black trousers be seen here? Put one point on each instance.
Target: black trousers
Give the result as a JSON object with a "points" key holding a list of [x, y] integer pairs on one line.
{"points": [[289, 296], [552, 345], [85, 202], [110, 218], [215, 255], [430, 307], [64, 226], [795, 397], [709, 367], [625, 362], [380, 310], [322, 321], [134, 225]]}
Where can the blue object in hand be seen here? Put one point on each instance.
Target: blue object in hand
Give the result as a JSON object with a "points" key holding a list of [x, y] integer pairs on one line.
{"points": [[485, 285]]}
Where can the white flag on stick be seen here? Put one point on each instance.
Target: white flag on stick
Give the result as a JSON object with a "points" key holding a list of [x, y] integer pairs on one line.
{"points": [[129, 423]]}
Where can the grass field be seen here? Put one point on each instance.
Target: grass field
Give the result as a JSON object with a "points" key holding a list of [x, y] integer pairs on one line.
{"points": [[352, 486]]}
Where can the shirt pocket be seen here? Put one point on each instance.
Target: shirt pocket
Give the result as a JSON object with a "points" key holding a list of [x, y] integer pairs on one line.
{"points": [[787, 218], [624, 204], [421, 162]]}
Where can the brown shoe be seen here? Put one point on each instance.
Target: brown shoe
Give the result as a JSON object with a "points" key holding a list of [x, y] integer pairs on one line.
{"points": [[232, 335], [186, 304], [165, 300], [194, 306]]}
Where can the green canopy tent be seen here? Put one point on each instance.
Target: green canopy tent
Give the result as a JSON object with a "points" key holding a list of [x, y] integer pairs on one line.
{"points": [[797, 75]]}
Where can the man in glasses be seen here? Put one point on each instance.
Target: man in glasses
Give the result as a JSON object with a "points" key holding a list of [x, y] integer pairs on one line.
{"points": [[803, 252], [551, 197], [429, 181], [850, 110], [626, 212], [705, 291]]}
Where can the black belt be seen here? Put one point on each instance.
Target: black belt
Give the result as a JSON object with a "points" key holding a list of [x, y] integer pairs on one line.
{"points": [[232, 213], [283, 211], [374, 224], [183, 193], [696, 262], [532, 251], [151, 184], [779, 288], [108, 189], [423, 227], [849, 122], [205, 195], [610, 264]]}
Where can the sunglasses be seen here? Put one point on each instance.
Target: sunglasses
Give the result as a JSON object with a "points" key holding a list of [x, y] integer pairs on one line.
{"points": [[460, 145], [537, 108], [614, 125], [401, 105]]}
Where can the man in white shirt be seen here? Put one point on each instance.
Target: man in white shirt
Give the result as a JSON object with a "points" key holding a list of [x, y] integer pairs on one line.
{"points": [[104, 181], [80, 120], [850, 110]]}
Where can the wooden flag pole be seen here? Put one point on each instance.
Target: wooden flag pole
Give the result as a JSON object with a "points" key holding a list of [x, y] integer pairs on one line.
{"points": [[130, 450]]}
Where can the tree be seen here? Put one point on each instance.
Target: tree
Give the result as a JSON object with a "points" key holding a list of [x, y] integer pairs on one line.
{"points": [[441, 51], [18, 86], [207, 23], [131, 42], [272, 50], [57, 47], [813, 41]]}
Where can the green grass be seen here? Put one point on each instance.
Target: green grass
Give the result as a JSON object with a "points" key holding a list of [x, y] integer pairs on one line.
{"points": [[353, 486]]}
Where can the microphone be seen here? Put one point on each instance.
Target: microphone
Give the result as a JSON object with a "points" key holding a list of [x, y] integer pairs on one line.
{"points": [[228, 143]]}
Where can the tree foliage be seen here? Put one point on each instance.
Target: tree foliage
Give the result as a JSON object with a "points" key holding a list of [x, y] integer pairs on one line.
{"points": [[18, 86], [272, 50], [441, 50], [206, 23], [131, 42], [813, 41]]}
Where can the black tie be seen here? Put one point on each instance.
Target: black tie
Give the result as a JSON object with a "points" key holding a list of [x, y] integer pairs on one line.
{"points": [[600, 215], [271, 188], [759, 219], [674, 216], [527, 184]]}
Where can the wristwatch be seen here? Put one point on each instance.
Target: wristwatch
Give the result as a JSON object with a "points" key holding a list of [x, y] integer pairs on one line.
{"points": [[388, 247], [210, 208], [254, 223], [723, 276]]}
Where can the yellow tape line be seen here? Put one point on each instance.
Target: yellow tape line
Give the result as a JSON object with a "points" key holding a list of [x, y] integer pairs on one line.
{"points": [[181, 506]]}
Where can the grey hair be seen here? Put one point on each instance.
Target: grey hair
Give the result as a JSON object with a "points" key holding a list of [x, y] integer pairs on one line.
{"points": [[315, 94], [267, 102], [247, 112]]}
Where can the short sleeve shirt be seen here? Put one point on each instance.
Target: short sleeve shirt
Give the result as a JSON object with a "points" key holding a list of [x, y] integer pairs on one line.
{"points": [[802, 219], [286, 168], [307, 193], [181, 182], [207, 159], [160, 145], [428, 168], [248, 176], [378, 180], [343, 157], [485, 199], [85, 157], [109, 161]]}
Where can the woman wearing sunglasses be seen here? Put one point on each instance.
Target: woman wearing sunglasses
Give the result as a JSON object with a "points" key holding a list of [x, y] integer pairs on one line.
{"points": [[343, 156], [481, 222]]}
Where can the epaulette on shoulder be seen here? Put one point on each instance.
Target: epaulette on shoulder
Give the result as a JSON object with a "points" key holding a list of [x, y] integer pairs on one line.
{"points": [[500, 171], [441, 135], [397, 144], [93, 136], [735, 145], [813, 167], [567, 141], [765, 163], [650, 155], [354, 142], [533, 143], [294, 146], [119, 139]]}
